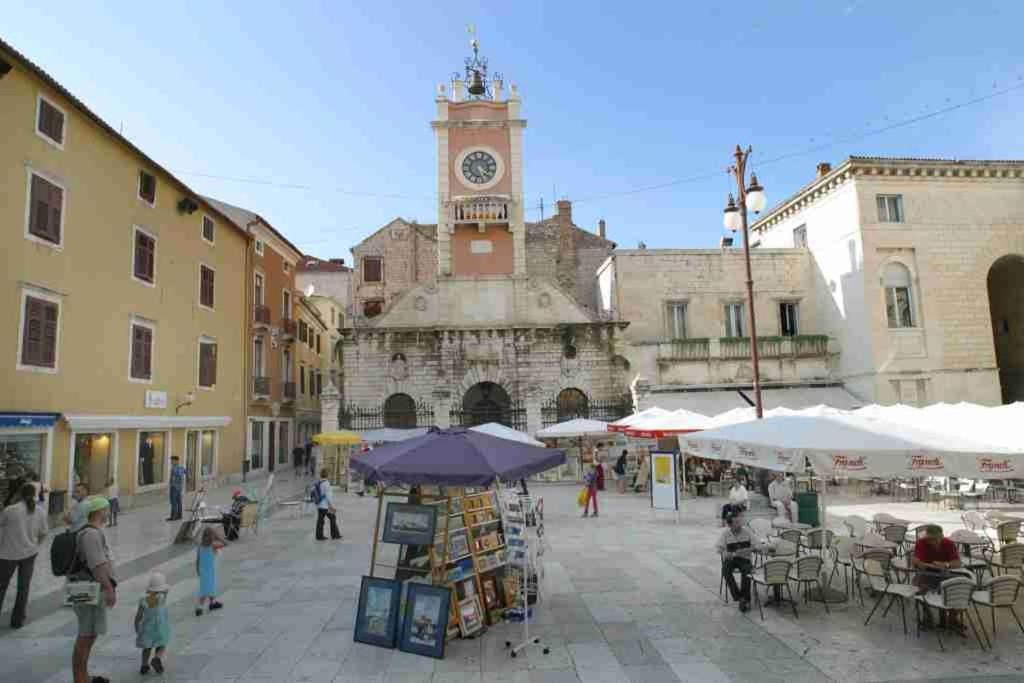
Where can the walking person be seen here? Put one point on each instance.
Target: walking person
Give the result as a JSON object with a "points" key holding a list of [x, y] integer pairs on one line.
{"points": [[210, 543], [620, 471], [92, 555], [22, 529], [177, 486], [153, 624], [324, 499], [590, 478], [113, 495], [75, 517]]}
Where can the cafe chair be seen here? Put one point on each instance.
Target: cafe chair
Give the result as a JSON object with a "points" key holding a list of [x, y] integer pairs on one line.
{"points": [[773, 574], [975, 551], [999, 592], [974, 521], [880, 555], [954, 596], [856, 525], [1010, 557], [883, 519], [880, 579], [807, 572], [250, 518], [842, 556], [794, 536], [723, 589], [819, 540], [896, 533], [1007, 531]]}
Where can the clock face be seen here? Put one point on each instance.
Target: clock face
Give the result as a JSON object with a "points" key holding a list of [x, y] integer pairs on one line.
{"points": [[479, 167]]}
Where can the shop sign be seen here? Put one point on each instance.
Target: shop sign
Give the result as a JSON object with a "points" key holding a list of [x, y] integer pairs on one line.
{"points": [[156, 399], [849, 463], [995, 466], [919, 462]]}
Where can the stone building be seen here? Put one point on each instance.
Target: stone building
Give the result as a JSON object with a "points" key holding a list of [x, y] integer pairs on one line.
{"points": [[480, 316]]}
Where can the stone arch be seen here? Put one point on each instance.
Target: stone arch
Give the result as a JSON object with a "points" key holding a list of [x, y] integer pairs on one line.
{"points": [[479, 374], [1005, 285], [572, 403], [399, 411], [486, 402], [885, 269]]}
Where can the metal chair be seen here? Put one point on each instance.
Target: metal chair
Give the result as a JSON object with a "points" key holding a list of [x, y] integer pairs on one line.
{"points": [[999, 592], [1010, 557], [954, 596], [880, 555], [842, 556], [896, 533], [856, 525], [250, 518], [793, 536], [974, 521], [975, 551], [807, 572], [880, 579], [775, 574], [818, 539], [1007, 531], [883, 519]]}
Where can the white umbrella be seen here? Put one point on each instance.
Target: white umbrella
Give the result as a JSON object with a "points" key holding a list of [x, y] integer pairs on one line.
{"points": [[676, 422], [573, 429], [503, 432], [628, 421]]}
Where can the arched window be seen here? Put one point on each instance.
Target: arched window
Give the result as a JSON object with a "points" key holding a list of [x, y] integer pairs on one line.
{"points": [[899, 301], [572, 403], [400, 412], [486, 402]]}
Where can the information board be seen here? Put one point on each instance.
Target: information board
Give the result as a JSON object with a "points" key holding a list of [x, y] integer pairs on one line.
{"points": [[664, 481]]}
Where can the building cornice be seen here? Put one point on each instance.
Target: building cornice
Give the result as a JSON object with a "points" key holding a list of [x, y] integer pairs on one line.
{"points": [[882, 168], [479, 123]]}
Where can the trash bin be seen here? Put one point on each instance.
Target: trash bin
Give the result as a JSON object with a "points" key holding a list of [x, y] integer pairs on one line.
{"points": [[807, 508]]}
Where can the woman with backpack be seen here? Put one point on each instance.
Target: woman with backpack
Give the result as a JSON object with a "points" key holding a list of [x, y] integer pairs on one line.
{"points": [[323, 498], [22, 529]]}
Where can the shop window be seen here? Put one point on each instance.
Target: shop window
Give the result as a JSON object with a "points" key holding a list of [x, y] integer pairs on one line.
{"points": [[152, 456], [209, 453], [256, 450], [21, 457]]}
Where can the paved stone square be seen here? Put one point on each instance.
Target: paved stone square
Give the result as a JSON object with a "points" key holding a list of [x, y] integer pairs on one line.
{"points": [[629, 596]]}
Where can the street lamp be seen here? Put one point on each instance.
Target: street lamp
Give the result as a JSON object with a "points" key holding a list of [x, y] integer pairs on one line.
{"points": [[750, 197]]}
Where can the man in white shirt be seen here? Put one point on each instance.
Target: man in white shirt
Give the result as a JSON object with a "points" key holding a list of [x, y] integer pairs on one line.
{"points": [[738, 500], [781, 497], [735, 545], [324, 499]]}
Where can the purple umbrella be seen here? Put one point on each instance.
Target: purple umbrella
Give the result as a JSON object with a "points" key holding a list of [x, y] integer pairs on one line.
{"points": [[455, 457]]}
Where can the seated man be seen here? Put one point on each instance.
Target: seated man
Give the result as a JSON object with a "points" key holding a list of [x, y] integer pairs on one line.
{"points": [[738, 499], [232, 520], [781, 497], [736, 544], [934, 556]]}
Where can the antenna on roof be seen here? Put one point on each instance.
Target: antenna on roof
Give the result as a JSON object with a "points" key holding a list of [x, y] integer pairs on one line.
{"points": [[542, 208]]}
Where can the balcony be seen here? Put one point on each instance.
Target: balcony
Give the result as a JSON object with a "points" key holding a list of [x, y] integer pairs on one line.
{"points": [[288, 329], [261, 317], [261, 387], [728, 359], [289, 391], [480, 210]]}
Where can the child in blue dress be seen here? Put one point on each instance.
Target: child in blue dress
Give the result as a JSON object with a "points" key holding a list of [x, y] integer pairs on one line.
{"points": [[152, 624], [210, 543]]}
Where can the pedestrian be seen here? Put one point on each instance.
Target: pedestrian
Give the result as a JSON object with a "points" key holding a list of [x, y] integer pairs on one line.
{"points": [[298, 458], [175, 489], [75, 517], [153, 624], [312, 458], [210, 544], [620, 471], [590, 478], [599, 468], [22, 529], [324, 499], [736, 545], [113, 493], [93, 563]]}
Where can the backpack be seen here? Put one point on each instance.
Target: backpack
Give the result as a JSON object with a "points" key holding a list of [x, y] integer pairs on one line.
{"points": [[315, 496], [64, 560]]}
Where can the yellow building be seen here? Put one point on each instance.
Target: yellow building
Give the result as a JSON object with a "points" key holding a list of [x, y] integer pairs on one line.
{"points": [[312, 349], [125, 296]]}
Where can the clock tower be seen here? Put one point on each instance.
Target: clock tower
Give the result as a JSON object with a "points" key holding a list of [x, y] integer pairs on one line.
{"points": [[480, 225]]}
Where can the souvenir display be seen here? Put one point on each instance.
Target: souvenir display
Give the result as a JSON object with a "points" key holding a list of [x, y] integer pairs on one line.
{"points": [[425, 626], [471, 618], [377, 613]]}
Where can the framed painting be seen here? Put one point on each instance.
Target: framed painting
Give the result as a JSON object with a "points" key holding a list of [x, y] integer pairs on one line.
{"points": [[471, 618], [458, 545], [377, 613], [490, 590], [409, 524], [425, 623]]}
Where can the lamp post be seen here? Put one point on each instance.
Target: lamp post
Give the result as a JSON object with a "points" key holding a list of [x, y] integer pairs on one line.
{"points": [[752, 197]]}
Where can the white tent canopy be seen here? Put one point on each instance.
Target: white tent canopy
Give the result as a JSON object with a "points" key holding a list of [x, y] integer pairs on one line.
{"points": [[854, 446], [677, 421], [580, 427], [999, 426], [630, 420], [503, 432]]}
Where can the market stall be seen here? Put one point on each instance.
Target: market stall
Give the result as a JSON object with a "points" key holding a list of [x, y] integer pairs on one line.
{"points": [[580, 438], [442, 540], [336, 455]]}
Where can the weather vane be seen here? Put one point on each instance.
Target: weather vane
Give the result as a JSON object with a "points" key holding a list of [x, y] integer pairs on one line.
{"points": [[478, 85]]}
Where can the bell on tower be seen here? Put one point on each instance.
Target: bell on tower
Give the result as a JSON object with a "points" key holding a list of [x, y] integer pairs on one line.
{"points": [[478, 86]]}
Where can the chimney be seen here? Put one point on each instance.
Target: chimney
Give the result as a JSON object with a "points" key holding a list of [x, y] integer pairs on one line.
{"points": [[565, 266], [601, 230], [823, 169]]}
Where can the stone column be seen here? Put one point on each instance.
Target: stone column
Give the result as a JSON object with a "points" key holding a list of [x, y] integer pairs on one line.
{"points": [[534, 421], [330, 403], [442, 408]]}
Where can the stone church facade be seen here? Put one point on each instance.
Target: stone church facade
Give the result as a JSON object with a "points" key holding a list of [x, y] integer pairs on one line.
{"points": [[481, 316]]}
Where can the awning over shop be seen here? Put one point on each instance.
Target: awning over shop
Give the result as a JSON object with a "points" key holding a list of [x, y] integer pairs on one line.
{"points": [[806, 397], [94, 423], [24, 420]]}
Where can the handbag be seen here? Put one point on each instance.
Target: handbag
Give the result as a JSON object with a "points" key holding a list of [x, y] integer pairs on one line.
{"points": [[581, 499], [81, 593]]}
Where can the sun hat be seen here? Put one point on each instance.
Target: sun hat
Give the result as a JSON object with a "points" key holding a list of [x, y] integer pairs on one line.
{"points": [[157, 583], [93, 503]]}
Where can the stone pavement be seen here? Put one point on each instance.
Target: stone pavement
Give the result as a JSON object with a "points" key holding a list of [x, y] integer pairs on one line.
{"points": [[629, 596]]}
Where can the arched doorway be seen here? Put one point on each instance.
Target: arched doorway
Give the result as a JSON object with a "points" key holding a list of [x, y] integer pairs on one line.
{"points": [[400, 412], [1006, 305], [572, 403], [486, 402]]}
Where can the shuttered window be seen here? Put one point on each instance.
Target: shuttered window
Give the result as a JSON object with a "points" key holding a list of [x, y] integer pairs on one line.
{"points": [[51, 122], [147, 187], [39, 336], [318, 342], [142, 352], [302, 379], [208, 229], [206, 276], [319, 384], [207, 364], [45, 210], [303, 332], [373, 269], [145, 257]]}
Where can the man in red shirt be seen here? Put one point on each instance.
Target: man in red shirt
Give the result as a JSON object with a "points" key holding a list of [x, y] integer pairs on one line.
{"points": [[934, 556]]}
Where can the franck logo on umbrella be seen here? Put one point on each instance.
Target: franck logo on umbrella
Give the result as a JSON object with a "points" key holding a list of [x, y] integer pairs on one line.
{"points": [[849, 462], [746, 453], [992, 465], [926, 462], [782, 457], [716, 447]]}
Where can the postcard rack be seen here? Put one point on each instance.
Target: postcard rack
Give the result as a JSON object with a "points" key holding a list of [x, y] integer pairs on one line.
{"points": [[520, 513]]}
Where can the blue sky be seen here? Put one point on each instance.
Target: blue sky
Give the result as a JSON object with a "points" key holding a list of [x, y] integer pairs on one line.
{"points": [[337, 97]]}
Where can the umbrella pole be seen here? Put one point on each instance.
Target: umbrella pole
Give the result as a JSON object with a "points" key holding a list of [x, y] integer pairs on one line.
{"points": [[376, 529]]}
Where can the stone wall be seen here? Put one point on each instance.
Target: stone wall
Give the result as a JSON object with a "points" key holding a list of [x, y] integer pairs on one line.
{"points": [[409, 251]]}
